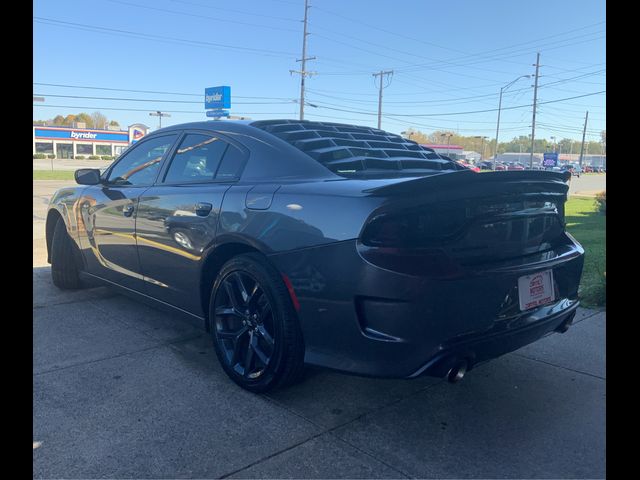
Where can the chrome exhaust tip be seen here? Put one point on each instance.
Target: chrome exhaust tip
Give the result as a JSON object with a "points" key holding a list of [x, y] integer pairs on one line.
{"points": [[457, 372]]}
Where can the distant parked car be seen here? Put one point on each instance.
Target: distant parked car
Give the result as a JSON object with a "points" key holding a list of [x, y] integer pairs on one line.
{"points": [[469, 166], [574, 169], [588, 169], [485, 165], [500, 167], [515, 166]]}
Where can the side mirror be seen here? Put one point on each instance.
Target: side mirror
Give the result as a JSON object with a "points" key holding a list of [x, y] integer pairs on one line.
{"points": [[87, 176]]}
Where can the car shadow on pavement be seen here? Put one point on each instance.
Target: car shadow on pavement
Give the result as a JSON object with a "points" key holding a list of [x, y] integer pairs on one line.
{"points": [[505, 419]]}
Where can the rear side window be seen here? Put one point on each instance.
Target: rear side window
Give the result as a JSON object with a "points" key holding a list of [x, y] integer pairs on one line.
{"points": [[197, 159], [231, 164]]}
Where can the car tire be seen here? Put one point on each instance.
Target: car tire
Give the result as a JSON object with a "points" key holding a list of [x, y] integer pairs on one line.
{"points": [[64, 267], [254, 325]]}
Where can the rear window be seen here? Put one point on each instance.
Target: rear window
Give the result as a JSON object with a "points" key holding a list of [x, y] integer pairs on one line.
{"points": [[350, 150]]}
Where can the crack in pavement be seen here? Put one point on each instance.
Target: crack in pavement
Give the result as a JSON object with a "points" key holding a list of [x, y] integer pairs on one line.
{"points": [[558, 366], [71, 302], [124, 354], [330, 431]]}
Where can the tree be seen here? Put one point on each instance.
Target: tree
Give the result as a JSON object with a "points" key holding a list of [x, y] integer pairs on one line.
{"points": [[95, 120], [68, 120], [99, 120], [86, 119]]}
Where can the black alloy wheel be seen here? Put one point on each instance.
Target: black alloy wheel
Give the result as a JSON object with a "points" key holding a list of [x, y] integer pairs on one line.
{"points": [[254, 325], [244, 325]]}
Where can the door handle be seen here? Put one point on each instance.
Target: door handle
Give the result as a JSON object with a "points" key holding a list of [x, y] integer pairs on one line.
{"points": [[203, 209], [127, 210]]}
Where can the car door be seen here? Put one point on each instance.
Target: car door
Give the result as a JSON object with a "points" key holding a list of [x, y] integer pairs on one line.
{"points": [[109, 214], [178, 216]]}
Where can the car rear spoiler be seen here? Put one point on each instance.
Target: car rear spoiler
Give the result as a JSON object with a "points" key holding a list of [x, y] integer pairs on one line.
{"points": [[525, 181]]}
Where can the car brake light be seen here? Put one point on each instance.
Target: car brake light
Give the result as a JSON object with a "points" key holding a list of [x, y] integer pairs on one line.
{"points": [[416, 229]]}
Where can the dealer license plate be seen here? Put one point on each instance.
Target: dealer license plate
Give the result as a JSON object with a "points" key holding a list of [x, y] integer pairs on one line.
{"points": [[535, 290]]}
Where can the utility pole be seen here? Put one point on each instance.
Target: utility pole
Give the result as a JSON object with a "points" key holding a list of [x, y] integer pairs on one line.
{"points": [[584, 131], [381, 74], [159, 114], [303, 72], [495, 154], [535, 100]]}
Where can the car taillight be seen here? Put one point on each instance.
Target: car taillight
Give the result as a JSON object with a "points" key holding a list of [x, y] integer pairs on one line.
{"points": [[416, 229]]}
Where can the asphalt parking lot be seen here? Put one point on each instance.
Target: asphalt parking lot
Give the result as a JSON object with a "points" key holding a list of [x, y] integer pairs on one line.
{"points": [[122, 390]]}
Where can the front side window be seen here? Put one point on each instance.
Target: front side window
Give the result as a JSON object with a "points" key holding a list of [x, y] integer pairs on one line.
{"points": [[196, 159], [140, 165]]}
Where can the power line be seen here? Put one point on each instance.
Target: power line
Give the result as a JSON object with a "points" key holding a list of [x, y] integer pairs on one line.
{"points": [[463, 113], [242, 12], [159, 38], [147, 91], [466, 55], [153, 100], [200, 112], [220, 19]]}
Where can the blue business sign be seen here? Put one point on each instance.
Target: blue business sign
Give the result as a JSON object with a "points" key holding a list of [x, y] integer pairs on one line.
{"points": [[217, 97], [549, 159], [217, 113], [81, 135]]}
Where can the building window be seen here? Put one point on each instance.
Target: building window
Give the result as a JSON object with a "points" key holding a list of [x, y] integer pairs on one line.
{"points": [[84, 149], [118, 149], [103, 149], [44, 147]]}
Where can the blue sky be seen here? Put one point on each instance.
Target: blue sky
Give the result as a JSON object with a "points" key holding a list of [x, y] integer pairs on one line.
{"points": [[449, 58]]}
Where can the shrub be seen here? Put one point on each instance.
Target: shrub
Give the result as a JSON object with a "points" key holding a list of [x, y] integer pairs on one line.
{"points": [[94, 157], [106, 157], [51, 155], [601, 202], [79, 157], [39, 155]]}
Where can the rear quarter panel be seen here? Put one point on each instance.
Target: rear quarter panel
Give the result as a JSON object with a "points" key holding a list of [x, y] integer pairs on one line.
{"points": [[301, 215]]}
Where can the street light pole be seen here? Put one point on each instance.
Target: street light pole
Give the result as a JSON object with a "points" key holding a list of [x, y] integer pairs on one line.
{"points": [[495, 155], [159, 114], [448, 135], [481, 145]]}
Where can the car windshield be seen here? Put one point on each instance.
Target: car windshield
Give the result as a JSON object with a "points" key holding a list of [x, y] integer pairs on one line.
{"points": [[354, 151]]}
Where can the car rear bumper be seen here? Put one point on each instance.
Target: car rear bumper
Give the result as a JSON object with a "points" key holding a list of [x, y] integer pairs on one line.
{"points": [[359, 318], [479, 348]]}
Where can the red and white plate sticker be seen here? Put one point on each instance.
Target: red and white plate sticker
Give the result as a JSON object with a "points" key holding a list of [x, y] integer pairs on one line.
{"points": [[535, 290]]}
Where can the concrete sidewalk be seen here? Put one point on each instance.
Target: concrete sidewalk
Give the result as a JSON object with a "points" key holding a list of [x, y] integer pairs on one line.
{"points": [[124, 391]]}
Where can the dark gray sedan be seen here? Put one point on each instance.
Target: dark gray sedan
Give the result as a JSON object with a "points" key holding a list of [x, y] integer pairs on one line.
{"points": [[335, 245]]}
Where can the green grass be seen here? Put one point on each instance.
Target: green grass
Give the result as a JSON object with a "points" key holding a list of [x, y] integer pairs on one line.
{"points": [[587, 225], [53, 175]]}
